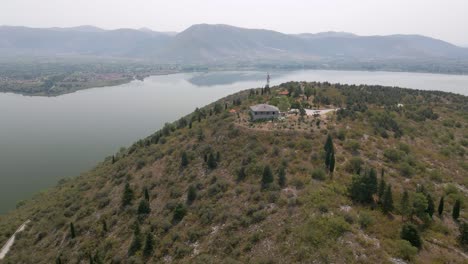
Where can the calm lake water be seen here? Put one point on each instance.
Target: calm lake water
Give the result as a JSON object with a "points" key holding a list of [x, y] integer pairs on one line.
{"points": [[44, 139]]}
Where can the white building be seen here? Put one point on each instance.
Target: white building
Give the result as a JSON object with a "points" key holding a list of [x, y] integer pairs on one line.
{"points": [[264, 111]]}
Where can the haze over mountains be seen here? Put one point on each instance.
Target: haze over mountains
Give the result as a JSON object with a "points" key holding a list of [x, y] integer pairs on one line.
{"points": [[205, 43]]}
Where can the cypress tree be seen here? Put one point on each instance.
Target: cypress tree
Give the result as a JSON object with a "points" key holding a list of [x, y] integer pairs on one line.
{"points": [[332, 162], [191, 194], [72, 230], [127, 196], [456, 210], [144, 207], [136, 242], [328, 159], [212, 164], [146, 194], [440, 209], [58, 260], [241, 175], [328, 144], [267, 177], [329, 153], [184, 159], [113, 159], [149, 245], [387, 203], [282, 177], [430, 206], [382, 187]]}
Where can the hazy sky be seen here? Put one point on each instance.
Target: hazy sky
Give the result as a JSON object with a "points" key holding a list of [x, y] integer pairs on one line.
{"points": [[444, 19]]}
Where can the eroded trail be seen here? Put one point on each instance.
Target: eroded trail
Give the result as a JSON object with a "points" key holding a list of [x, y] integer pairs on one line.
{"points": [[11, 240]]}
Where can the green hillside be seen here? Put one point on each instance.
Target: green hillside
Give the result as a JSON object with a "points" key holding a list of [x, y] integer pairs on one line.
{"points": [[214, 187]]}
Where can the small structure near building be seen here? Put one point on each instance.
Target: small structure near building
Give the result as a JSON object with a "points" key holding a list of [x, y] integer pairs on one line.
{"points": [[264, 111]]}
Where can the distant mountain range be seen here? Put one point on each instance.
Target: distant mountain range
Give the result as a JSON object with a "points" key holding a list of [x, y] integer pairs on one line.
{"points": [[205, 43]]}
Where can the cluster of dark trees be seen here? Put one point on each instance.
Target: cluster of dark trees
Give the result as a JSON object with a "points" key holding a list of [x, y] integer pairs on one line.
{"points": [[268, 177], [366, 189]]}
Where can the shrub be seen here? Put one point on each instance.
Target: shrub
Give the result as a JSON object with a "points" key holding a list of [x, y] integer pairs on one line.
{"points": [[406, 170], [393, 155], [179, 212], [191, 194], [318, 174], [365, 220], [405, 250], [354, 165], [352, 145]]}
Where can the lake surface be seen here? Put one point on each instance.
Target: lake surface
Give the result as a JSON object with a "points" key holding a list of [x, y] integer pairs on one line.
{"points": [[43, 139]]}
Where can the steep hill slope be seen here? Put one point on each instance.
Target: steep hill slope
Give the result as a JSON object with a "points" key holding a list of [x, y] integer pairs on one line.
{"points": [[216, 188]]}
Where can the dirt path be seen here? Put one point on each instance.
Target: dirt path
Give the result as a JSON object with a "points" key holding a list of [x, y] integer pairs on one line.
{"points": [[11, 240]]}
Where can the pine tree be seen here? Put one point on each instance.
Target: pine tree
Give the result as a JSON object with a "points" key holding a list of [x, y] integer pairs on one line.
{"points": [[387, 201], [136, 242], [149, 245], [212, 164], [440, 209], [405, 209], [146, 194], [456, 210], [282, 177], [410, 233], [267, 177], [144, 207], [184, 159], [72, 230], [191, 194], [127, 196], [430, 206]]}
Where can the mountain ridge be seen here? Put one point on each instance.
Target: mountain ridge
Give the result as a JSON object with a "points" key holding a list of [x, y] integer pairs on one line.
{"points": [[205, 43]]}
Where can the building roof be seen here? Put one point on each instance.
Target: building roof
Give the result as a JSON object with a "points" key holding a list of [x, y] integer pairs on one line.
{"points": [[283, 93], [264, 108]]}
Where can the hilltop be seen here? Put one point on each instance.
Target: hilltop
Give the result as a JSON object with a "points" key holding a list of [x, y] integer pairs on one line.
{"points": [[214, 187]]}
